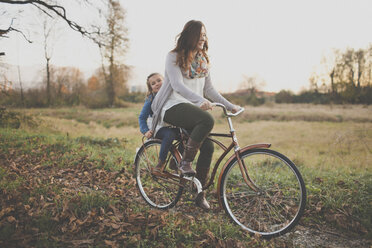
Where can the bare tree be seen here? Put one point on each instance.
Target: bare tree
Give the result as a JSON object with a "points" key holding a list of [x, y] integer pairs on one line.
{"points": [[4, 32], [252, 83], [351, 67], [347, 65], [328, 69], [360, 61], [48, 43], [5, 84], [313, 80], [21, 86], [368, 69], [113, 45]]}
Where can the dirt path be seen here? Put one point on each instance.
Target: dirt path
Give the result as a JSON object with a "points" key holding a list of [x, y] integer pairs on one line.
{"points": [[310, 237]]}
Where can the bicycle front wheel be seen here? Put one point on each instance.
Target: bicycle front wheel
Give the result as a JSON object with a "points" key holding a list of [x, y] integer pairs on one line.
{"points": [[157, 191], [274, 202]]}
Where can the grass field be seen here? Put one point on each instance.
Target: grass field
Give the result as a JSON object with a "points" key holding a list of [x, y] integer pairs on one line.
{"points": [[78, 164]]}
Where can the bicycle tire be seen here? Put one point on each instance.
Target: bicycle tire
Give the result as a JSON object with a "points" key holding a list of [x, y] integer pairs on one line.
{"points": [[278, 204], [156, 191]]}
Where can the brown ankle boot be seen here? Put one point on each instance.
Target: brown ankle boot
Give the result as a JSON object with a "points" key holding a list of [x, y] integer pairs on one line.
{"points": [[202, 175], [189, 153], [201, 202]]}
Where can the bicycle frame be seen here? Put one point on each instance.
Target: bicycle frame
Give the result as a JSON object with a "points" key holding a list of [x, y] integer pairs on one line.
{"points": [[226, 150], [237, 151]]}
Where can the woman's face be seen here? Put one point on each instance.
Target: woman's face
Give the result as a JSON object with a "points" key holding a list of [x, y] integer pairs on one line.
{"points": [[202, 39], [155, 82]]}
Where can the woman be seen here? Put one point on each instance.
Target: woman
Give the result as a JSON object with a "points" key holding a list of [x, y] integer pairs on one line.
{"points": [[182, 101]]}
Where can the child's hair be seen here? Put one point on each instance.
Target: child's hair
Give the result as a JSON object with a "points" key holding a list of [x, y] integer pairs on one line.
{"points": [[149, 89]]}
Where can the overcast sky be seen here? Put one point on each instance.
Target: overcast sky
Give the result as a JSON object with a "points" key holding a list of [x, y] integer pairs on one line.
{"points": [[281, 42]]}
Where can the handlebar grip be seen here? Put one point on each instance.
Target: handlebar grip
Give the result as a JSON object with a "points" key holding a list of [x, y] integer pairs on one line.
{"points": [[229, 114]]}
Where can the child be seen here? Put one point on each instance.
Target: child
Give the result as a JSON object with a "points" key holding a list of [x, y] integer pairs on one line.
{"points": [[166, 134]]}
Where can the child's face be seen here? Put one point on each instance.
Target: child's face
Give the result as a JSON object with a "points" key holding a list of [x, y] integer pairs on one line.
{"points": [[155, 82]]}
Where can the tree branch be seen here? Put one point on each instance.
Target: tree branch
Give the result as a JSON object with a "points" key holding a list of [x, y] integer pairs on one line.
{"points": [[10, 28], [59, 11]]}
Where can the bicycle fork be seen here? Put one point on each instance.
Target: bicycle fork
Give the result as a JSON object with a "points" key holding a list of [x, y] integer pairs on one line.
{"points": [[243, 168]]}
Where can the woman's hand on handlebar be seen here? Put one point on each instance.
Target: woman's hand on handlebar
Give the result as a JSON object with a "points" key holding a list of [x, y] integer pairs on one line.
{"points": [[206, 105], [235, 109]]}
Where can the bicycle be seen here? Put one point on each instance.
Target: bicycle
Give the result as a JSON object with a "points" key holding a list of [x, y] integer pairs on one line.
{"points": [[261, 190]]}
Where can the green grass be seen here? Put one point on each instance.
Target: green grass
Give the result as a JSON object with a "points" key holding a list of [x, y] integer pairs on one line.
{"points": [[85, 202], [340, 198], [334, 158], [9, 181]]}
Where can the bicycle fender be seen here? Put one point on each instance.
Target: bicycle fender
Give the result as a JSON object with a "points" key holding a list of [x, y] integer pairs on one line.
{"points": [[253, 146]]}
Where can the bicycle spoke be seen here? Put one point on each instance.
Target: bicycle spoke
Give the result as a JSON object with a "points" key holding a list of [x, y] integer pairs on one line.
{"points": [[157, 190], [278, 204], [271, 209]]}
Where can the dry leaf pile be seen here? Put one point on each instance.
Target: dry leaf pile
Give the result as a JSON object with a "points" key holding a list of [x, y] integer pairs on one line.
{"points": [[61, 203], [80, 204], [53, 196]]}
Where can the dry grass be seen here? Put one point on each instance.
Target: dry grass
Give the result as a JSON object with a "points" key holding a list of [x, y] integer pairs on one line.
{"points": [[343, 142], [321, 145], [334, 156], [309, 112]]}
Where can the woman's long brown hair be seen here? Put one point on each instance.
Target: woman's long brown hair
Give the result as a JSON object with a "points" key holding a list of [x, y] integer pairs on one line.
{"points": [[187, 42]]}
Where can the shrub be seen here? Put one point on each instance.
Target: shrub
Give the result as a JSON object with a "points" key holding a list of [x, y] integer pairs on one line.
{"points": [[9, 119]]}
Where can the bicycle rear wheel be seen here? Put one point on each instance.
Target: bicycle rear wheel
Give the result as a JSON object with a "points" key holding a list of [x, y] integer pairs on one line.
{"points": [[276, 204], [157, 191]]}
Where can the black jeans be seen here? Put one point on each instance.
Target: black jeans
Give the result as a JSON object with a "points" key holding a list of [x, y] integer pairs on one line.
{"points": [[191, 118], [199, 123]]}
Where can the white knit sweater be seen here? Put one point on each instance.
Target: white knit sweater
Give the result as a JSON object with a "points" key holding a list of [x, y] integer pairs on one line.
{"points": [[178, 89]]}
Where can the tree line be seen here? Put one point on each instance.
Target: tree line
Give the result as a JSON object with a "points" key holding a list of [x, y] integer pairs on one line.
{"points": [[344, 76], [68, 87], [65, 85]]}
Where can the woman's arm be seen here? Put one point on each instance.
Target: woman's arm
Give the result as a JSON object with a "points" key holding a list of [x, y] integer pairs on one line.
{"points": [[176, 81], [145, 113], [212, 94]]}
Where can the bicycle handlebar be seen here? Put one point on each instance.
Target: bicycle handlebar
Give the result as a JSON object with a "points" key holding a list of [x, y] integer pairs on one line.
{"points": [[229, 114]]}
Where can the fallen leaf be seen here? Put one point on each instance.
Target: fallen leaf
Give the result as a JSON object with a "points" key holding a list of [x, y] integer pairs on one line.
{"points": [[111, 243], [6, 211], [11, 219], [209, 234], [82, 242]]}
